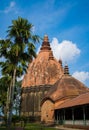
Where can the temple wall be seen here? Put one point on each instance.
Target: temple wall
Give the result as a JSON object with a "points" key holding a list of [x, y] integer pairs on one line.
{"points": [[31, 99], [47, 112]]}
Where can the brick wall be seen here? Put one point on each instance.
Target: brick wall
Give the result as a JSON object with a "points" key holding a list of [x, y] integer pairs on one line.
{"points": [[47, 112]]}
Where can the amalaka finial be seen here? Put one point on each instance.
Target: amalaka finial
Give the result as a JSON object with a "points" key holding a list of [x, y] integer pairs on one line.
{"points": [[46, 38]]}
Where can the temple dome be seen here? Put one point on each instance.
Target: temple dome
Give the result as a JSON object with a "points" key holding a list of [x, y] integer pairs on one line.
{"points": [[44, 69], [66, 87]]}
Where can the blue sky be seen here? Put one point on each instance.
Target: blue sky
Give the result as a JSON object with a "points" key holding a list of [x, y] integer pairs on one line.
{"points": [[66, 22]]}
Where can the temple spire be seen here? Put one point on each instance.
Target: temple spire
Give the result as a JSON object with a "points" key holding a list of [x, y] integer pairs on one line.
{"points": [[60, 61], [46, 38], [51, 56], [45, 44], [66, 70]]}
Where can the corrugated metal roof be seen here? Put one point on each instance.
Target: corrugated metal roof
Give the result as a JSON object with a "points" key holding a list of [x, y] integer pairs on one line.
{"points": [[79, 100]]}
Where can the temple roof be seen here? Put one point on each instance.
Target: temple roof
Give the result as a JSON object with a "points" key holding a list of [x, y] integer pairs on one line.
{"points": [[66, 87], [45, 44], [45, 69], [79, 100]]}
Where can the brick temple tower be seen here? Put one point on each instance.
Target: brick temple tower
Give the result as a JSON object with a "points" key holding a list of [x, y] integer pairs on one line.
{"points": [[41, 74]]}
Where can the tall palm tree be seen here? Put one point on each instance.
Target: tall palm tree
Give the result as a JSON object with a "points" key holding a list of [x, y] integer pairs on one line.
{"points": [[7, 68], [18, 50]]}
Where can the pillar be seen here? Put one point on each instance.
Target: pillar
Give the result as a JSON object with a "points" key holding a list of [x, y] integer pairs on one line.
{"points": [[73, 115], [57, 117], [84, 116], [64, 116]]}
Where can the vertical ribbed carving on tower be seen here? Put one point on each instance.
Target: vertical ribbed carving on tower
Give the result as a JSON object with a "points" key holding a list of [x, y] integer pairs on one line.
{"points": [[41, 74]]}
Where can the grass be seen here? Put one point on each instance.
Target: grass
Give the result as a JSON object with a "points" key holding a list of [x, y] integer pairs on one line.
{"points": [[32, 126], [37, 127], [4, 128]]}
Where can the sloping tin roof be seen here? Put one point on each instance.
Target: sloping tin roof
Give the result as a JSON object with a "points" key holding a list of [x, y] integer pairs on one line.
{"points": [[79, 100], [66, 87]]}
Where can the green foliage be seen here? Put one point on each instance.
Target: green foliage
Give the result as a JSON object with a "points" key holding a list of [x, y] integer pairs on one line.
{"points": [[4, 84], [37, 126], [33, 126], [4, 128], [17, 50]]}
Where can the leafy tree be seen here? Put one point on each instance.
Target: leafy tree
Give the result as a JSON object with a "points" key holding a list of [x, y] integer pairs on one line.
{"points": [[18, 49], [4, 84]]}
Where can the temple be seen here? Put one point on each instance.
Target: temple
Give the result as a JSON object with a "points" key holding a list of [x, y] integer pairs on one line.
{"points": [[41, 74], [50, 94]]}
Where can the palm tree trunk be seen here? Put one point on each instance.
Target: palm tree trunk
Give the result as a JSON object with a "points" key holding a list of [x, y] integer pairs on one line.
{"points": [[8, 101], [9, 120]]}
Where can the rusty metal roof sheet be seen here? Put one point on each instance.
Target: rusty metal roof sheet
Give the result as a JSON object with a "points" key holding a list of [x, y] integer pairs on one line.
{"points": [[79, 100]]}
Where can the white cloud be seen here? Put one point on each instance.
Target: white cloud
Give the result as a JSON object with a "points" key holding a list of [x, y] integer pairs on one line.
{"points": [[20, 78], [82, 76], [12, 4], [10, 7], [66, 50]]}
